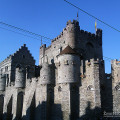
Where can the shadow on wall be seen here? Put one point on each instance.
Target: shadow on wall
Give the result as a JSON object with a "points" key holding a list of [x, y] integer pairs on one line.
{"points": [[57, 114], [97, 114], [54, 114], [35, 114], [91, 114]]}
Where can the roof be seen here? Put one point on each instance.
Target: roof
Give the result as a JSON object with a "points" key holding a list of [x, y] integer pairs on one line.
{"points": [[67, 50], [12, 55]]}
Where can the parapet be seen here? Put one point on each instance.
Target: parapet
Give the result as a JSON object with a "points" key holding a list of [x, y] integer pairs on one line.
{"points": [[75, 22], [88, 34], [48, 47], [42, 49], [115, 62], [92, 62], [43, 46]]}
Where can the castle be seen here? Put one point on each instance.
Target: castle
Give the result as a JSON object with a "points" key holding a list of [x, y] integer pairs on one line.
{"points": [[69, 83]]}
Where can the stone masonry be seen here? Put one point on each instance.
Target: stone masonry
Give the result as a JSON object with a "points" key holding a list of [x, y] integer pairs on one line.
{"points": [[68, 84]]}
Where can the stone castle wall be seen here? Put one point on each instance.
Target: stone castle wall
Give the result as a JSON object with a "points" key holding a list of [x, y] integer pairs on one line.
{"points": [[116, 85], [68, 86]]}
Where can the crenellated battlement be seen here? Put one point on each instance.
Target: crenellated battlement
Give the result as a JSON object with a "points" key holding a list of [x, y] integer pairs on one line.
{"points": [[58, 37], [92, 62], [43, 46], [70, 35], [92, 35], [75, 22], [115, 62], [69, 28]]}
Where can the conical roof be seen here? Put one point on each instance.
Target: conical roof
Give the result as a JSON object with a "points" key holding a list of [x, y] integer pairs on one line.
{"points": [[67, 50]]}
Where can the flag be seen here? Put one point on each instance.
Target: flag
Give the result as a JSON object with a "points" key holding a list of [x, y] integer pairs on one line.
{"points": [[95, 25]]}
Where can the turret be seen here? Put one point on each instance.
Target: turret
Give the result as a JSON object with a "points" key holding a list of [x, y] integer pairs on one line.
{"points": [[45, 74], [20, 77], [70, 33], [42, 54], [46, 89], [99, 34], [69, 66], [2, 82]]}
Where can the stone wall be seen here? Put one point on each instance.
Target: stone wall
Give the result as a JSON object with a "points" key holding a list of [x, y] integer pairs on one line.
{"points": [[65, 86], [116, 85], [86, 44], [90, 88]]}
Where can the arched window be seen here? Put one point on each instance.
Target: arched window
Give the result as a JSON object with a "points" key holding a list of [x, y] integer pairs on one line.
{"points": [[90, 87], [6, 68], [59, 89]]}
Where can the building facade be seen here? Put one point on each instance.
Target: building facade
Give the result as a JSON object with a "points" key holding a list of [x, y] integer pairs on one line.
{"points": [[68, 84]]}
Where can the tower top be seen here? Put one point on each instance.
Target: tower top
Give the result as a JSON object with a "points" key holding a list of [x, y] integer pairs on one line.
{"points": [[75, 22]]}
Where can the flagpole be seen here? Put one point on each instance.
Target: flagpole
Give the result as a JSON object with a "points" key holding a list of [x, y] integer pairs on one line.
{"points": [[78, 15]]}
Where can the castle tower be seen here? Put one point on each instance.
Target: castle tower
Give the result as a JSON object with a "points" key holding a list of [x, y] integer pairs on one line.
{"points": [[70, 33], [99, 44], [45, 74], [2, 82], [90, 90], [68, 70], [42, 54], [116, 85], [20, 77], [90, 45], [46, 91], [66, 85]]}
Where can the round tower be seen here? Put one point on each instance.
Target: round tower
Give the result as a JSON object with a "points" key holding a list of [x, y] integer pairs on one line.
{"points": [[70, 33], [45, 74], [20, 77], [99, 32], [2, 82], [69, 66]]}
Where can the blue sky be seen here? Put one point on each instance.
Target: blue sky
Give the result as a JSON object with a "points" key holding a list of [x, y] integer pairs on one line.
{"points": [[49, 17]]}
